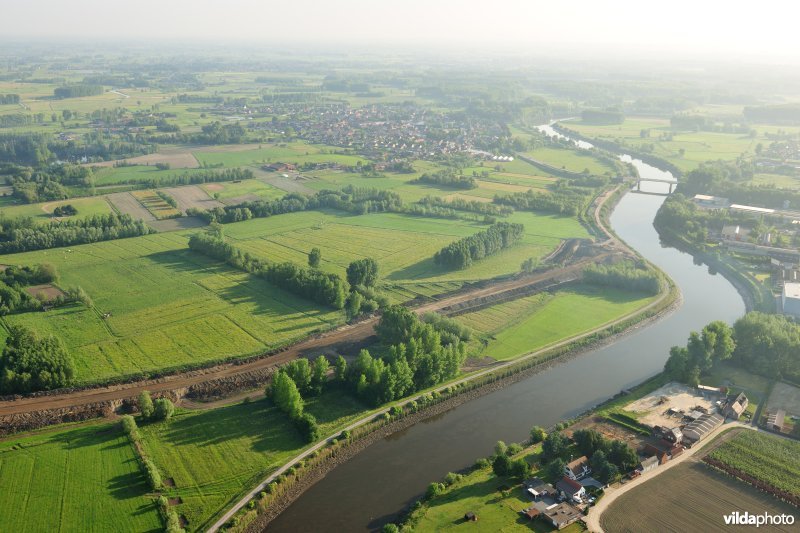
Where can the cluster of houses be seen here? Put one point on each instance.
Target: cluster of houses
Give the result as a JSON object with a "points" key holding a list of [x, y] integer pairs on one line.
{"points": [[375, 131]]}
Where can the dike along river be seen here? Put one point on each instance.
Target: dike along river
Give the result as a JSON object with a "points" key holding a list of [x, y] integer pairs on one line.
{"points": [[373, 487]]}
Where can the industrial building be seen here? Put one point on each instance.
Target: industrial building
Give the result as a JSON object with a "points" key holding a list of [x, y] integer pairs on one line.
{"points": [[702, 427], [790, 299]]}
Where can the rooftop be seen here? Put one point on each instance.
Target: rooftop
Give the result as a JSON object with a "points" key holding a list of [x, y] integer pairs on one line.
{"points": [[791, 290]]}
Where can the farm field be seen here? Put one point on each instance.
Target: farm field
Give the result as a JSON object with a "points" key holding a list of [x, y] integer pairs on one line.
{"points": [[115, 175], [159, 208], [176, 308], [538, 320], [214, 456], [74, 480], [777, 180], [294, 152], [684, 503], [698, 146], [768, 458], [403, 245], [574, 160], [231, 193], [43, 212]]}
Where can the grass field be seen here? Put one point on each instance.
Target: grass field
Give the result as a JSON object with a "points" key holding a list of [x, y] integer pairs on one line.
{"points": [[574, 160], [114, 175], [238, 190], [77, 479], [777, 180], [294, 152], [43, 212], [176, 307], [214, 456], [768, 458], [515, 328], [690, 497], [697, 146], [155, 204]]}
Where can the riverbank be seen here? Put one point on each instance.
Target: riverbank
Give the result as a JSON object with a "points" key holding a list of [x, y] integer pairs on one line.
{"points": [[456, 393]]}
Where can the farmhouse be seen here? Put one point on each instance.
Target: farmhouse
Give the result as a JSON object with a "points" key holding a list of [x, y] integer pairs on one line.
{"points": [[571, 489], [736, 406], [702, 427], [651, 463], [775, 420], [562, 515], [577, 469], [790, 299], [734, 233]]}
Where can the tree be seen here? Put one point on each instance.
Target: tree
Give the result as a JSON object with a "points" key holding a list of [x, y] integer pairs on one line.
{"points": [[519, 469], [163, 409], [500, 448], [29, 363], [555, 469], [314, 257], [340, 369], [362, 272], [589, 441], [307, 426], [299, 371], [501, 465], [397, 324], [537, 434], [319, 374], [622, 455], [554, 445], [145, 405], [284, 393]]}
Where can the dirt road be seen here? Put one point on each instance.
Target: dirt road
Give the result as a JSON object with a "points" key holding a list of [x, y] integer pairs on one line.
{"points": [[347, 334]]}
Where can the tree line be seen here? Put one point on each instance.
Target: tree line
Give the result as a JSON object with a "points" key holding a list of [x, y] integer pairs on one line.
{"points": [[294, 381], [24, 234], [31, 363], [562, 201], [474, 206], [78, 90], [9, 99], [448, 178], [624, 275], [463, 252], [321, 287]]}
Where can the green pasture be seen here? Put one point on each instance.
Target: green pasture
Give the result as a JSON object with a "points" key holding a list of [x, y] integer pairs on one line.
{"points": [[174, 308], [573, 160], [43, 212], [521, 326], [229, 189], [215, 456], [116, 175], [295, 152], [77, 479]]}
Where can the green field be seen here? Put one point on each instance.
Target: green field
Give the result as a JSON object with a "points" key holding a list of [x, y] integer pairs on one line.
{"points": [[780, 181], [698, 147], [77, 479], [43, 212], [115, 175], [768, 458], [295, 152], [521, 326], [255, 188], [175, 308], [156, 205], [215, 456], [573, 160]]}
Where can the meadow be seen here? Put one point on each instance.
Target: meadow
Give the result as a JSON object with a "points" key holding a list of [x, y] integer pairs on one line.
{"points": [[176, 308], [691, 497], [292, 152], [698, 147], [254, 189], [43, 212], [521, 326], [573, 160], [74, 479], [216, 455]]}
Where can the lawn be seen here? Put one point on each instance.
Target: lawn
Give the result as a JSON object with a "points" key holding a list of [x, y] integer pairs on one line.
{"points": [[77, 479], [43, 212], [691, 497], [175, 308], [518, 327], [215, 456]]}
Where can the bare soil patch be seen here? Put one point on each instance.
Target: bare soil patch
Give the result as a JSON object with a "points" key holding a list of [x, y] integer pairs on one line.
{"points": [[461, 196], [672, 396], [176, 501], [169, 482], [214, 187], [502, 186], [48, 291], [236, 200], [126, 203], [608, 430], [192, 196], [786, 397]]}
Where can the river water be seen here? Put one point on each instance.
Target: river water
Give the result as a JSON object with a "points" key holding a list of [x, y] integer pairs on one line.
{"points": [[373, 487]]}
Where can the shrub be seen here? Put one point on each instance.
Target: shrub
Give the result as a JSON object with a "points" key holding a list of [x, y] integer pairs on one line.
{"points": [[145, 405], [129, 425], [163, 409]]}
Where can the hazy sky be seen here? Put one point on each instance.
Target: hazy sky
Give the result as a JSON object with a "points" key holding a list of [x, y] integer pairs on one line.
{"points": [[733, 26]]}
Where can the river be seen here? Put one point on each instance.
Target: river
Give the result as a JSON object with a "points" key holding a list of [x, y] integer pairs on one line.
{"points": [[373, 487]]}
